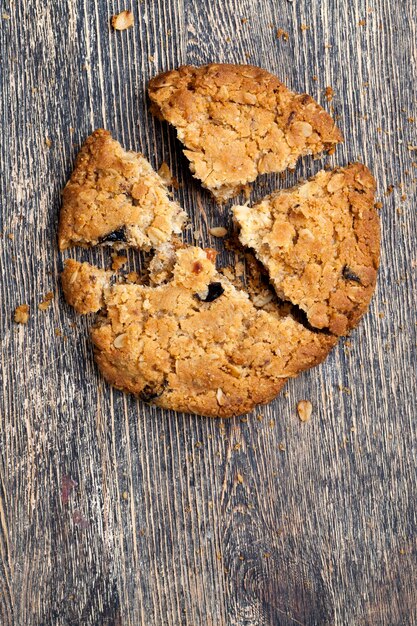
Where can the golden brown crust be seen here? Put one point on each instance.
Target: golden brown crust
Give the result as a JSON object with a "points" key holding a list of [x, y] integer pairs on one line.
{"points": [[216, 358], [83, 286], [115, 197], [239, 121], [320, 244]]}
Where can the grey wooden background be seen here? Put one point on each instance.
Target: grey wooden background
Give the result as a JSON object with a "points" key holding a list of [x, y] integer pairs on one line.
{"points": [[178, 520]]}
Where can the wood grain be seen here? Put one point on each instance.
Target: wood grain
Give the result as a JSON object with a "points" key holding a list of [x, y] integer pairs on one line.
{"points": [[176, 520]]}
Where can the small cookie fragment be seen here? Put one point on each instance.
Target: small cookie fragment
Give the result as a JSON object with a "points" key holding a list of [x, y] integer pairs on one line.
{"points": [[304, 410], [239, 121], [115, 198], [319, 242], [21, 314], [46, 302], [83, 286], [122, 20], [165, 173], [197, 344]]}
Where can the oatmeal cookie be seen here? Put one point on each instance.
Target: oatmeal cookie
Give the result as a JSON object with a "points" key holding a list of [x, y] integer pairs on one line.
{"points": [[239, 121], [197, 344], [319, 243], [114, 197]]}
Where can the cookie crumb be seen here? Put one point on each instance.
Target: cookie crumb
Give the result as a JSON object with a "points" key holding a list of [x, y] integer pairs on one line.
{"points": [[329, 93], [304, 27], [48, 142], [362, 22], [304, 409], [282, 34], [21, 314], [125, 495], [118, 262], [218, 231], [166, 175], [281, 446], [46, 302], [133, 277], [122, 20], [239, 478]]}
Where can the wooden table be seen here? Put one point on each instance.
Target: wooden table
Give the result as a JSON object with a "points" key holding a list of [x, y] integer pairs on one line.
{"points": [[177, 520]]}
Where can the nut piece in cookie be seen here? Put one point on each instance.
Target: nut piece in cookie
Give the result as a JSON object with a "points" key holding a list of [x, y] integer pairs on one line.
{"points": [[83, 286], [239, 121], [114, 197], [197, 344], [319, 242]]}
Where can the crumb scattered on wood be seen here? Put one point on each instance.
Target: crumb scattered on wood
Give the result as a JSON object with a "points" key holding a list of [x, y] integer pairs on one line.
{"points": [[304, 27], [282, 34], [166, 175], [362, 22], [239, 478], [329, 93], [118, 262], [133, 277], [304, 409], [218, 231], [46, 302], [48, 142], [21, 314], [122, 20]]}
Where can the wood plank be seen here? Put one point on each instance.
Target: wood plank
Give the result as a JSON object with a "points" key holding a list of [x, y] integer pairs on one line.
{"points": [[178, 520]]}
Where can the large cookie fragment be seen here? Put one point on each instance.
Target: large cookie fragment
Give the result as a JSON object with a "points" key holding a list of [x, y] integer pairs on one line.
{"points": [[196, 344], [239, 121], [319, 242], [114, 197]]}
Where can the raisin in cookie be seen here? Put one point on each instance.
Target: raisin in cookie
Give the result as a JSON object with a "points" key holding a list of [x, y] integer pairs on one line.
{"points": [[196, 343], [239, 121], [114, 197], [320, 244]]}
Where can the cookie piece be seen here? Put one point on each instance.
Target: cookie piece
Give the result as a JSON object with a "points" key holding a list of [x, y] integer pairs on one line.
{"points": [[239, 121], [114, 197], [197, 344], [83, 286], [319, 242]]}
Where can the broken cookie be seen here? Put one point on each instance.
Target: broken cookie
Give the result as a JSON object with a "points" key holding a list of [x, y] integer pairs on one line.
{"points": [[196, 343], [239, 121], [114, 197], [319, 242]]}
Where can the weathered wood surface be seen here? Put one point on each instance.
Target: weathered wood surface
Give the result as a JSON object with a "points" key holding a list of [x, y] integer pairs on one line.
{"points": [[320, 527]]}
